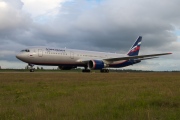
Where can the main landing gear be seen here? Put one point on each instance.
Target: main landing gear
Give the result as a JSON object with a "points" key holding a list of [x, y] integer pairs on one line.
{"points": [[104, 71], [86, 70]]}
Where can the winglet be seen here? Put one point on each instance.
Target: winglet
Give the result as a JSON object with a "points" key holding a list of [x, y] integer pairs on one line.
{"points": [[134, 50]]}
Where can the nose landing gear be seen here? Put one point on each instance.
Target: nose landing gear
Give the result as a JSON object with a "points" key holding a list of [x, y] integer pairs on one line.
{"points": [[31, 68]]}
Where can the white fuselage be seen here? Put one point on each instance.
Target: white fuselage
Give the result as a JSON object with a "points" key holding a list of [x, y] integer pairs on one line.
{"points": [[57, 57]]}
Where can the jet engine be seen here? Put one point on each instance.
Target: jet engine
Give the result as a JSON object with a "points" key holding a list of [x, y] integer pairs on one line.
{"points": [[96, 64]]}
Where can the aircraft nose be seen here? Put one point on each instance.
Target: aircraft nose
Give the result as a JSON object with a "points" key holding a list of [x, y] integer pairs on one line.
{"points": [[19, 56]]}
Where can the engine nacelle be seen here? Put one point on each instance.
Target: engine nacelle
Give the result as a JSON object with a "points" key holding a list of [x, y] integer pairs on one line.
{"points": [[66, 67], [96, 64]]}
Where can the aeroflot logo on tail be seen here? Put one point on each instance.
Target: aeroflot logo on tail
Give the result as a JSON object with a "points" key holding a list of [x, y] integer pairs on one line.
{"points": [[55, 49], [135, 48], [139, 43]]}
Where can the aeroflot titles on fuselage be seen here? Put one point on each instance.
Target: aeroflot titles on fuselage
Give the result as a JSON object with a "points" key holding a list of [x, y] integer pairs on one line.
{"points": [[49, 49]]}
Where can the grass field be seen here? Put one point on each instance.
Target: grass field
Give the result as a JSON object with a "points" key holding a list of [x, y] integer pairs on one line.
{"points": [[94, 96]]}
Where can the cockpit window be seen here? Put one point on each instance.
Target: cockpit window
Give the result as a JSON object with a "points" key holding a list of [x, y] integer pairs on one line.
{"points": [[26, 50]]}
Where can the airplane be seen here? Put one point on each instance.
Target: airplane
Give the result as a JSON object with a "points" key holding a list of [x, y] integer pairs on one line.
{"points": [[67, 59]]}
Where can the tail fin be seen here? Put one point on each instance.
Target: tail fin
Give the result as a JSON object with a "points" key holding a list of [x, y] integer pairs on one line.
{"points": [[134, 50]]}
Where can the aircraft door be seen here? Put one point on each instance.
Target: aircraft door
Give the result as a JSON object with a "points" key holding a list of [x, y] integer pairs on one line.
{"points": [[40, 52], [72, 55]]}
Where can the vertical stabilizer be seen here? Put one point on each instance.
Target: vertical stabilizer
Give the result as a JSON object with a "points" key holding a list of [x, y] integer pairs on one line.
{"points": [[134, 50]]}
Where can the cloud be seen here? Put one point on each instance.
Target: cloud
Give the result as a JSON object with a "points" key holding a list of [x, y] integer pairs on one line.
{"points": [[105, 25], [112, 23], [40, 7], [13, 21], [11, 15]]}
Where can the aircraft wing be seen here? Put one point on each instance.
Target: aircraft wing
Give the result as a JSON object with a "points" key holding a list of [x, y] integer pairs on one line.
{"points": [[84, 60], [142, 57]]}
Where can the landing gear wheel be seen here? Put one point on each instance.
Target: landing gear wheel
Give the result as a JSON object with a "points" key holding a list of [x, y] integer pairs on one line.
{"points": [[104, 71], [31, 70], [86, 71]]}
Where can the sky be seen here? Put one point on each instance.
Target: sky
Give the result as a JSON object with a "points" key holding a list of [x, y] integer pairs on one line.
{"points": [[98, 25]]}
